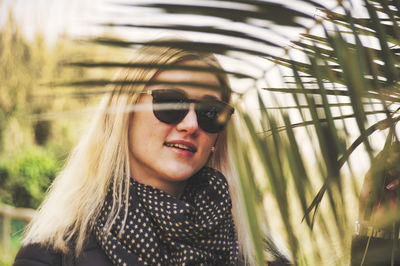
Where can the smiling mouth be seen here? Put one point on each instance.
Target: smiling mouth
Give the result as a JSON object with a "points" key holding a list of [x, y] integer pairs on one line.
{"points": [[180, 146]]}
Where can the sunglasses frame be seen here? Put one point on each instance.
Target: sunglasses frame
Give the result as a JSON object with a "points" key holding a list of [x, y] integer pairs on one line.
{"points": [[204, 121]]}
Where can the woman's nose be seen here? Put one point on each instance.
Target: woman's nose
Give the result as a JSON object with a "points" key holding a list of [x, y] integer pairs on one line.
{"points": [[189, 123]]}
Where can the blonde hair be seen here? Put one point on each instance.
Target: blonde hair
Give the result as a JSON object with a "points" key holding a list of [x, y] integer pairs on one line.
{"points": [[101, 159]]}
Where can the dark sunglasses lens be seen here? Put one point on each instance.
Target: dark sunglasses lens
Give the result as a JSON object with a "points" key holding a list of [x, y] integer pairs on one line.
{"points": [[212, 115], [169, 106]]}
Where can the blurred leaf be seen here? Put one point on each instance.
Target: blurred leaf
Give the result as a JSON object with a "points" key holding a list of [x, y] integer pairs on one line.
{"points": [[197, 29], [158, 66], [277, 13], [202, 47]]}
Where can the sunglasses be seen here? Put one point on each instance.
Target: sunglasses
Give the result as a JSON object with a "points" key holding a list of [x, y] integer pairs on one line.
{"points": [[171, 106]]}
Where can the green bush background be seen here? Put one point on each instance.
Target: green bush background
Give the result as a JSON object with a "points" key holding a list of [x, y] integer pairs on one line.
{"points": [[26, 176], [33, 148]]}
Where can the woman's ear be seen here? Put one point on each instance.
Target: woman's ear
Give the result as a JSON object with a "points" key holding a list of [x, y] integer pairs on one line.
{"points": [[213, 148]]}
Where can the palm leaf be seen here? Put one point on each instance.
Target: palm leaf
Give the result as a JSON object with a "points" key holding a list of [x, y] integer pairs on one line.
{"points": [[264, 11]]}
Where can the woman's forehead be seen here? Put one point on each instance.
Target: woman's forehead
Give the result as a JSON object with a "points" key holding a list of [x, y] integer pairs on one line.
{"points": [[207, 78], [191, 92], [189, 76]]}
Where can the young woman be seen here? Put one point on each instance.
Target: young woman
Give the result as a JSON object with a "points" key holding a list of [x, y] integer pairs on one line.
{"points": [[144, 186]]}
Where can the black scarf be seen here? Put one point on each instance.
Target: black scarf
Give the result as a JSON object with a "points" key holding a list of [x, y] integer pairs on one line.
{"points": [[196, 229]]}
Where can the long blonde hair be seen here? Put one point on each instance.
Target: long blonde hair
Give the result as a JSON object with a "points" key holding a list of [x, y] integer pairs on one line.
{"points": [[101, 159]]}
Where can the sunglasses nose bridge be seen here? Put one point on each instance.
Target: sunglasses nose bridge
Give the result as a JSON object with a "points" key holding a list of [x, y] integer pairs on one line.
{"points": [[189, 123], [192, 106], [191, 109]]}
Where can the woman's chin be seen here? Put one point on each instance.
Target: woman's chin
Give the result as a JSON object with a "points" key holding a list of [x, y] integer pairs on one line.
{"points": [[180, 173]]}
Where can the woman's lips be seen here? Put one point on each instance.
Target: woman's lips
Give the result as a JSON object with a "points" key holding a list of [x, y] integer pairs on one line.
{"points": [[181, 146]]}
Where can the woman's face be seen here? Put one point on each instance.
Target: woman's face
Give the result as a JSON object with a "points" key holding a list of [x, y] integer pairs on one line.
{"points": [[166, 155]]}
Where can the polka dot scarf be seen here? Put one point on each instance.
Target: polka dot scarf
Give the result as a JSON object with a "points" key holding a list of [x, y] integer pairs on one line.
{"points": [[196, 229]]}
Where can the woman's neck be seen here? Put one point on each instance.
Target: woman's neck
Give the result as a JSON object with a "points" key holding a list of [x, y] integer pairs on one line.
{"points": [[174, 189]]}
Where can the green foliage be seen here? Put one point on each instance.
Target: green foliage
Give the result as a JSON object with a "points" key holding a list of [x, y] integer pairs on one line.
{"points": [[26, 176], [30, 147], [30, 142], [37, 129], [344, 62], [347, 62]]}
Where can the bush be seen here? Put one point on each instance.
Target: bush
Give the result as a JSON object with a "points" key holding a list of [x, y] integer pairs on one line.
{"points": [[25, 177]]}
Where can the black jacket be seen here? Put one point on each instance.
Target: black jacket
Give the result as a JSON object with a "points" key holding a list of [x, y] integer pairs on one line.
{"points": [[92, 255], [379, 251], [36, 255]]}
